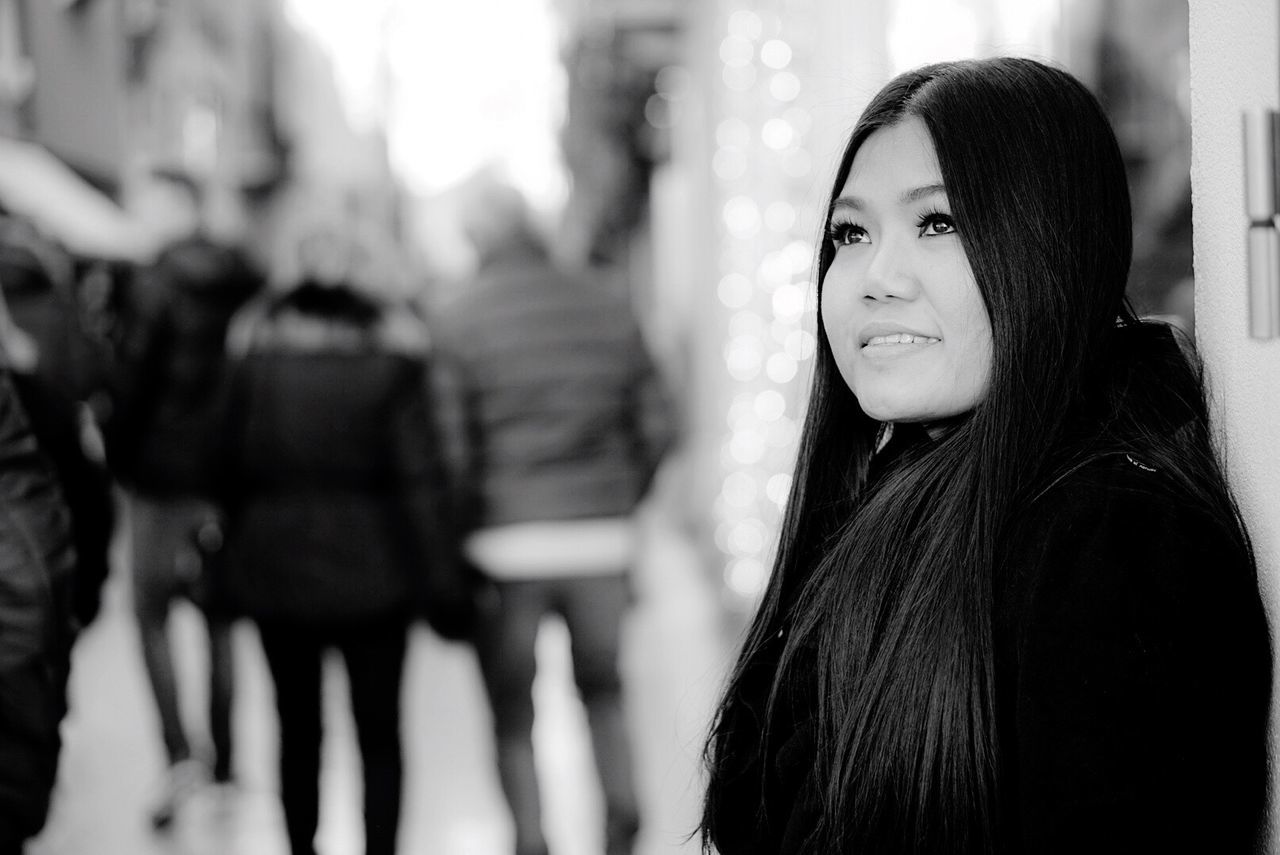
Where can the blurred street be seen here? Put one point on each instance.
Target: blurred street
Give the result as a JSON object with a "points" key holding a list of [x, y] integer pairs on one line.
{"points": [[112, 759]]}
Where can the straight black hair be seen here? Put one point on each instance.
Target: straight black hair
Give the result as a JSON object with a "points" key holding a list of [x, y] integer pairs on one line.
{"points": [[881, 596]]}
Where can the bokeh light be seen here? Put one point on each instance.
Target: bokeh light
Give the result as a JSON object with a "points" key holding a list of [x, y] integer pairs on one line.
{"points": [[784, 86], [744, 356], [746, 24], [780, 216], [742, 217], [736, 51], [777, 133], [761, 164], [789, 302], [770, 405], [729, 163], [734, 290], [778, 488], [746, 577], [781, 368], [775, 53], [747, 447]]}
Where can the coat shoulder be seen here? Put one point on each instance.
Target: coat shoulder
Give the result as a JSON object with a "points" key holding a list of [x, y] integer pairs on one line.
{"points": [[1118, 541]]}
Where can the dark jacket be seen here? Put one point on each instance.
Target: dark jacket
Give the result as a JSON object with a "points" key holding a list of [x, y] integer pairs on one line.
{"points": [[36, 276], [45, 300], [1132, 681], [85, 483], [37, 625], [1133, 672], [331, 473], [162, 428], [563, 413]]}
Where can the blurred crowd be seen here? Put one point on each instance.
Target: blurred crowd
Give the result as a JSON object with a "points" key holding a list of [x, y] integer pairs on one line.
{"points": [[300, 442]]}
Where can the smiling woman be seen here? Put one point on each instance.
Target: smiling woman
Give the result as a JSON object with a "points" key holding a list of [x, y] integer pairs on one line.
{"points": [[906, 321], [1014, 608]]}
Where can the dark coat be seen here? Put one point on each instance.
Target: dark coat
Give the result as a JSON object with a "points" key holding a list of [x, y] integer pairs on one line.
{"points": [[37, 623], [45, 300], [1133, 672], [162, 428], [86, 485], [1133, 679], [332, 479]]}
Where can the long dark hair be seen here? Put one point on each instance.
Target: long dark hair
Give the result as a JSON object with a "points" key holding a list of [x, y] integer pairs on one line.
{"points": [[882, 591]]}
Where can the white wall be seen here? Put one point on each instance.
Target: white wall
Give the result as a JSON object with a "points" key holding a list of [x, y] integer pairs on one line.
{"points": [[1235, 64]]}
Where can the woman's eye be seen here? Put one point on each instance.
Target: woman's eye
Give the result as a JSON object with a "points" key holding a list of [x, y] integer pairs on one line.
{"points": [[844, 234], [936, 224]]}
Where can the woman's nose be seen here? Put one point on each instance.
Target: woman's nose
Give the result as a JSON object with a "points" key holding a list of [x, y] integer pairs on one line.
{"points": [[890, 274]]}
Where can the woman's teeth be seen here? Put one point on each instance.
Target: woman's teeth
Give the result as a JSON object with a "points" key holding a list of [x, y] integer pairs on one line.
{"points": [[900, 338]]}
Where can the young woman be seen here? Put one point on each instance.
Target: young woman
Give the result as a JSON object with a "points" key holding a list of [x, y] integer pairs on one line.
{"points": [[1014, 607]]}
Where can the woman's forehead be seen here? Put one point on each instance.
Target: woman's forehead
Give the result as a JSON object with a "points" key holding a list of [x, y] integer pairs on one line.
{"points": [[895, 163]]}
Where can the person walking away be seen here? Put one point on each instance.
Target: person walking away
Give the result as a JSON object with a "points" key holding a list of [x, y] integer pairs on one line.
{"points": [[567, 424], [336, 520], [160, 437]]}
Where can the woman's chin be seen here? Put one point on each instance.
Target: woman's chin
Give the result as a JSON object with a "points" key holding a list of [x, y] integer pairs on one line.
{"points": [[883, 410], [897, 405]]}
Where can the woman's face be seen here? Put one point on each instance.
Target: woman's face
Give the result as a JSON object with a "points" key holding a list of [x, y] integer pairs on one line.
{"points": [[906, 321]]}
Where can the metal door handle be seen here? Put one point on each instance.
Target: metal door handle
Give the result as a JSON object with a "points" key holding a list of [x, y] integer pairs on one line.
{"points": [[1261, 131]]}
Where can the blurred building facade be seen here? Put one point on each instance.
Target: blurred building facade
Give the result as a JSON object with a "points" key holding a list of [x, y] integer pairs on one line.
{"points": [[109, 85], [613, 137], [242, 96], [62, 81], [234, 93], [201, 76]]}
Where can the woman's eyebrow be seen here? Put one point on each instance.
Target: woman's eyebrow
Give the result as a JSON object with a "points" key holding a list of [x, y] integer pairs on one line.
{"points": [[918, 193], [915, 194]]}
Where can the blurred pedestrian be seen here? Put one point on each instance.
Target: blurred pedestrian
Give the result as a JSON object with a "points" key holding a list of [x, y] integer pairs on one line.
{"points": [[566, 422], [37, 624], [1014, 607], [47, 351], [160, 436], [336, 514]]}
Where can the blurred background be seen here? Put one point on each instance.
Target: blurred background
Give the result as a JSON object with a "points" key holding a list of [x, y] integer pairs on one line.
{"points": [[685, 146]]}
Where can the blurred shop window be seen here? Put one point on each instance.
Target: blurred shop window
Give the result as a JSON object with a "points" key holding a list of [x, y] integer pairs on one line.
{"points": [[1135, 54]]}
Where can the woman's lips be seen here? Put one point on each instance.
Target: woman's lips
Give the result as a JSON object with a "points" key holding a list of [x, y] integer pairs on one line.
{"points": [[900, 338], [896, 344]]}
